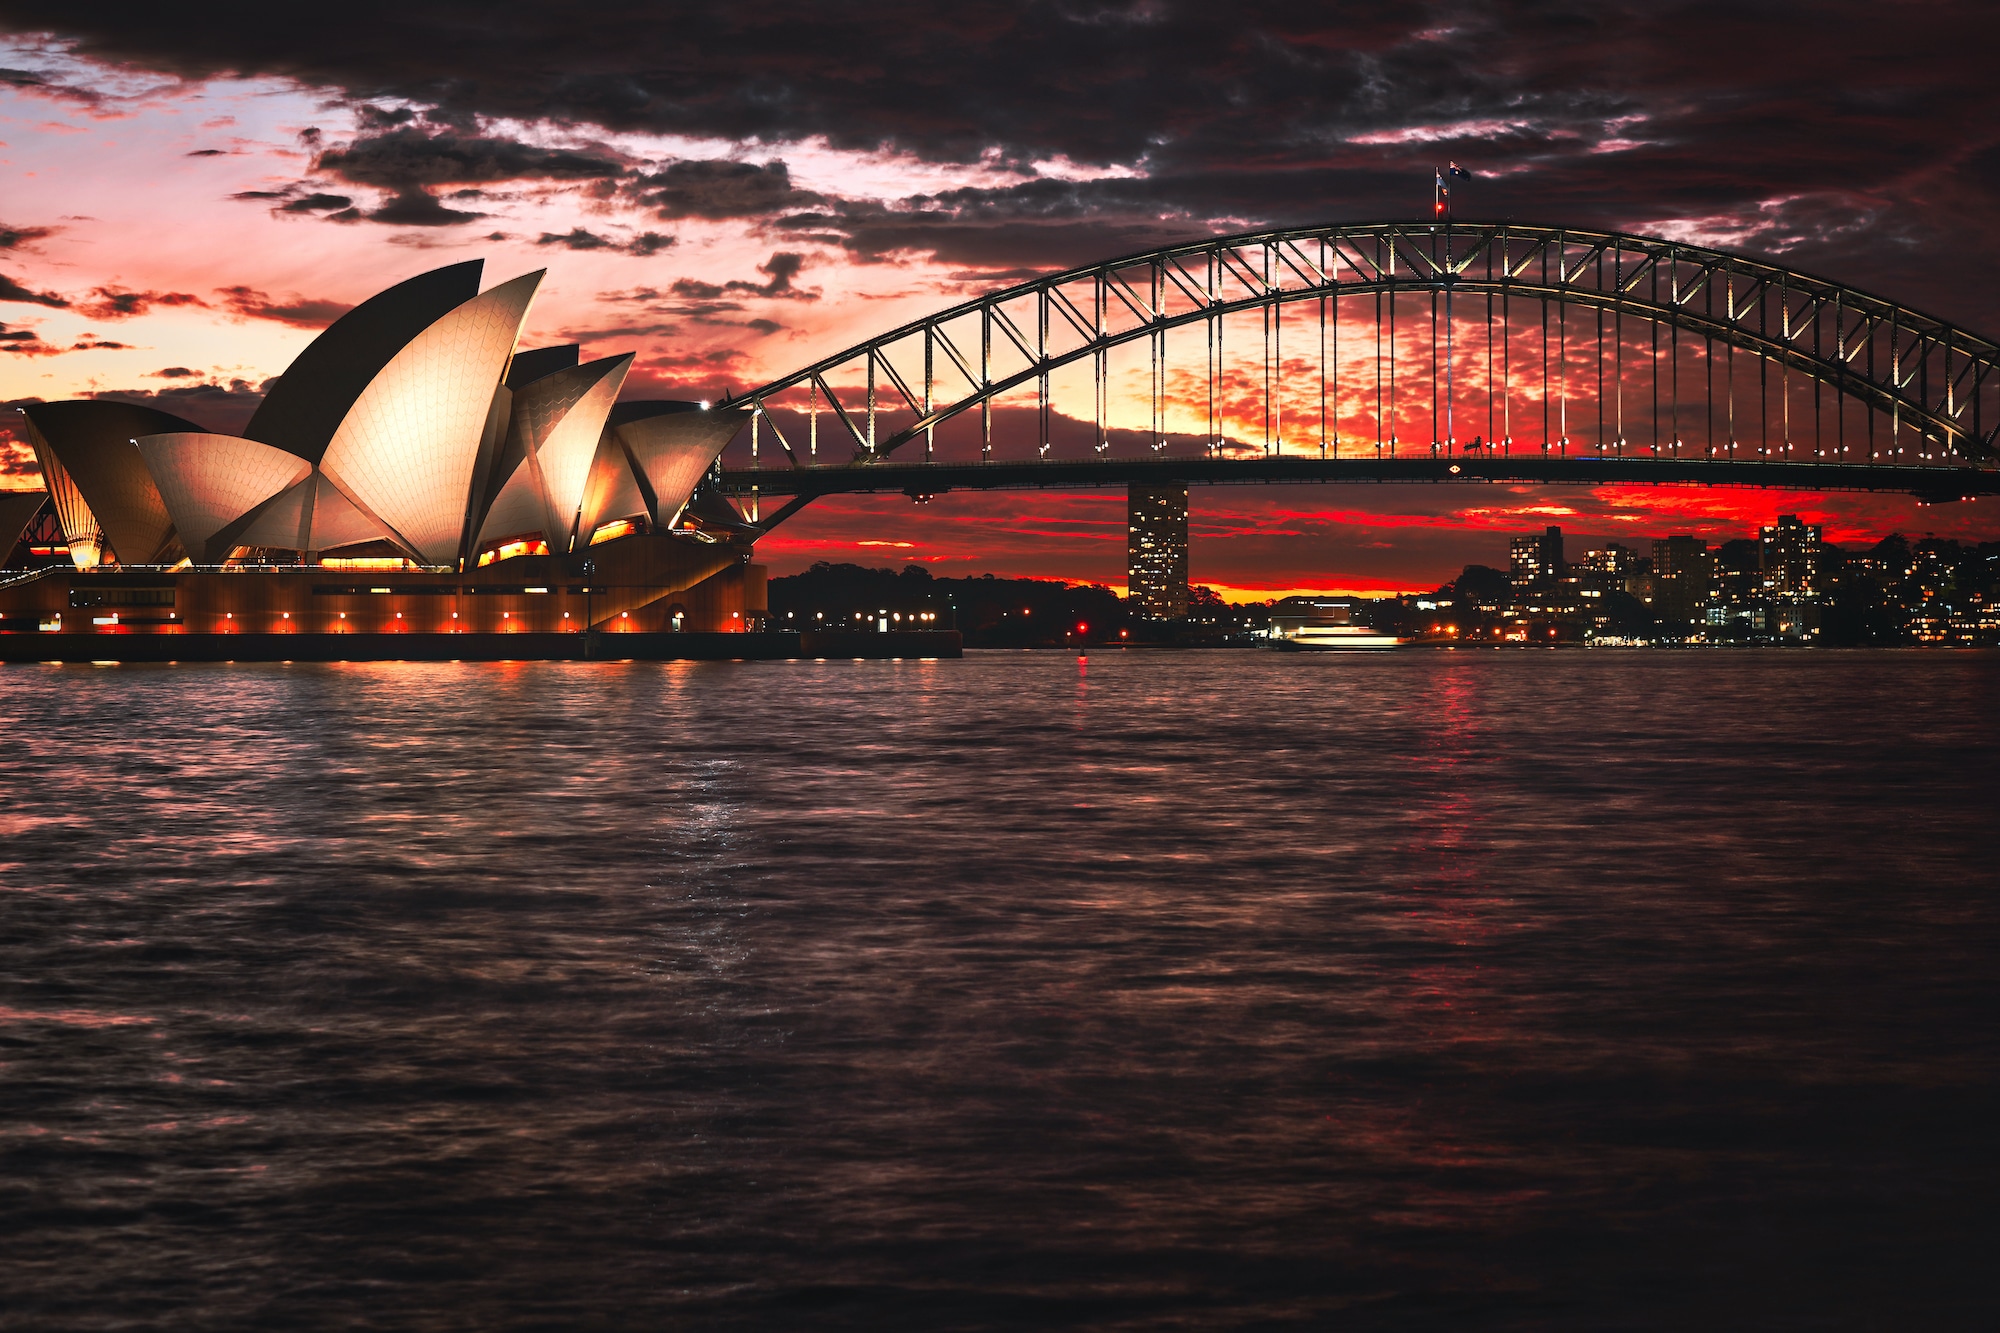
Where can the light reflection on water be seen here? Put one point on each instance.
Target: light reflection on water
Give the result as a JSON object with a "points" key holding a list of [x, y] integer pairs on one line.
{"points": [[1201, 989]]}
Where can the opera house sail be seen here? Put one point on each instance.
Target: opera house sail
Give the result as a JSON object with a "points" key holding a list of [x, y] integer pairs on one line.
{"points": [[476, 482]]}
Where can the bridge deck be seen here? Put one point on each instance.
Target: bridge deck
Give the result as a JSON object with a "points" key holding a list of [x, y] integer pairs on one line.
{"points": [[1931, 483]]}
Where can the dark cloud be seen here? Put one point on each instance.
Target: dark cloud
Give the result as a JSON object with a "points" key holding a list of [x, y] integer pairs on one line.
{"points": [[720, 189], [26, 342], [407, 157], [305, 201], [778, 271], [1851, 137], [415, 208], [577, 238], [124, 303], [23, 342], [622, 331], [13, 238], [383, 118], [218, 407], [35, 81], [710, 359], [707, 302], [317, 203], [709, 373], [994, 275], [175, 373], [295, 310], [990, 238], [209, 152], [11, 290]]}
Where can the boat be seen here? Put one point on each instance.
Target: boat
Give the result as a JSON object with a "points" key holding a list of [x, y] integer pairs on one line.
{"points": [[1322, 625]]}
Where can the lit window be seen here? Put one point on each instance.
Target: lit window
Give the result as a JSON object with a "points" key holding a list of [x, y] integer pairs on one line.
{"points": [[366, 562], [623, 527], [508, 550]]}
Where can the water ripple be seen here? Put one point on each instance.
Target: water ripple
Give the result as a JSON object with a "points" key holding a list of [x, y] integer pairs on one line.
{"points": [[1550, 990]]}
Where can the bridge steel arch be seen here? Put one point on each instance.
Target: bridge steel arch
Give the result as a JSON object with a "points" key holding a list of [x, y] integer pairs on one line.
{"points": [[1928, 376]]}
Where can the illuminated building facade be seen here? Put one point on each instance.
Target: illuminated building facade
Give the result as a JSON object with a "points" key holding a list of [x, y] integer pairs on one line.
{"points": [[1535, 561], [412, 470], [1683, 582], [1791, 555], [1156, 550]]}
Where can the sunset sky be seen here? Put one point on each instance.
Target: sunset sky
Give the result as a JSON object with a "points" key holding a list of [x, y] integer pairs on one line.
{"points": [[732, 191]]}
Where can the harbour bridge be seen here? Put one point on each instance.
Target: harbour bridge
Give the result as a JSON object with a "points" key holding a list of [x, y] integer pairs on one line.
{"points": [[1390, 352]]}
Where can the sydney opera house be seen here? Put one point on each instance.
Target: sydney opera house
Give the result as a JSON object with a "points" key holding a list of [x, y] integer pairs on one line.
{"points": [[411, 472]]}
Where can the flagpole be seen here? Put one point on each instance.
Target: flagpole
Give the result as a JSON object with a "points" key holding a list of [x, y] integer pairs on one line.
{"points": [[1446, 206], [1449, 329]]}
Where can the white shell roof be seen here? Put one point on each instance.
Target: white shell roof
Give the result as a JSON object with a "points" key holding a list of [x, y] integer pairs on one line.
{"points": [[209, 481], [406, 450]]}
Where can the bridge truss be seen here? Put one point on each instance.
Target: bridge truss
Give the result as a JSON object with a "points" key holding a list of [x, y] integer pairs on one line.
{"points": [[1489, 350]]}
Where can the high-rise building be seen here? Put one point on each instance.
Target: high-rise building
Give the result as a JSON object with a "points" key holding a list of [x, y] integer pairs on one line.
{"points": [[1791, 560], [1613, 559], [1535, 561], [1683, 575], [1156, 549], [1613, 569]]}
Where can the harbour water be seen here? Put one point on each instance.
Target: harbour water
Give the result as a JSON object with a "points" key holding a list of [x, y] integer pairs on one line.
{"points": [[1515, 989]]}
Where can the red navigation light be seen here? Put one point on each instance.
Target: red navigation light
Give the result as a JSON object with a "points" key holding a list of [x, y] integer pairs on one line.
{"points": [[1081, 627]]}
